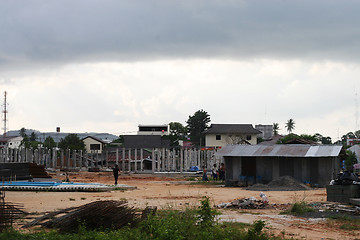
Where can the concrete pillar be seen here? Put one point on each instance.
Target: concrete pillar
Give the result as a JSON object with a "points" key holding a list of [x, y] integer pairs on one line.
{"points": [[168, 159], [181, 160], [163, 159], [117, 158], [186, 159], [61, 159], [174, 160], [136, 158], [142, 159], [74, 158], [129, 160], [80, 159], [54, 158], [153, 160], [198, 163], [123, 160]]}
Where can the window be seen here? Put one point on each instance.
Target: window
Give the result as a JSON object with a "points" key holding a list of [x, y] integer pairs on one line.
{"points": [[248, 137], [94, 146], [218, 137]]}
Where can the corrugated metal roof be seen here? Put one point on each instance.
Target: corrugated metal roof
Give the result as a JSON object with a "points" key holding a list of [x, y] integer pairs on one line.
{"points": [[280, 150]]}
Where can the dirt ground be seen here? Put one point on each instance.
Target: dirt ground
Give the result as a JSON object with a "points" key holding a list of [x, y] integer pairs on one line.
{"points": [[174, 192]]}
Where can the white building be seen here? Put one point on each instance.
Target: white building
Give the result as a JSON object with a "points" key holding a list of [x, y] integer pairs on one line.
{"points": [[14, 142], [219, 135], [266, 131], [93, 145]]}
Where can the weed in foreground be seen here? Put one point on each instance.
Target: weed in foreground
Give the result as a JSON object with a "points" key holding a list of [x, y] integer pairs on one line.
{"points": [[299, 208]]}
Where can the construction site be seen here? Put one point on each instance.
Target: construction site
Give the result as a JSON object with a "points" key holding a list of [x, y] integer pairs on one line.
{"points": [[87, 195]]}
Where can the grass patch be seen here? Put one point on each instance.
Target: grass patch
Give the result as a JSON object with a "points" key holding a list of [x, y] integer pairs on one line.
{"points": [[344, 222], [299, 208]]}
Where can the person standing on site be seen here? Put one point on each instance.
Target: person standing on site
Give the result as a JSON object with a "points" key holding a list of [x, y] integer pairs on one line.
{"points": [[204, 177], [222, 172], [214, 172], [116, 171]]}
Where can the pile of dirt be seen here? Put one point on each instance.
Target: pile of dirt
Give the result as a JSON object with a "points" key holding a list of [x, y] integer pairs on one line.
{"points": [[285, 183]]}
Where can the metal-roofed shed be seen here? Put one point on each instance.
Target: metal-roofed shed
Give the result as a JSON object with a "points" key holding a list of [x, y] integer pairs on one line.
{"points": [[306, 163]]}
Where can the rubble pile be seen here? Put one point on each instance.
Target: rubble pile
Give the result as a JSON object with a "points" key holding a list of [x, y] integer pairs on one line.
{"points": [[245, 203], [285, 183]]}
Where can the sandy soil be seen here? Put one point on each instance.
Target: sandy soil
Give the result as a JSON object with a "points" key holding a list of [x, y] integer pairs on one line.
{"points": [[168, 192]]}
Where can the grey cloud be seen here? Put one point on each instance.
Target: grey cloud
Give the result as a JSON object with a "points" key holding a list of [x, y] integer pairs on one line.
{"points": [[89, 30]]}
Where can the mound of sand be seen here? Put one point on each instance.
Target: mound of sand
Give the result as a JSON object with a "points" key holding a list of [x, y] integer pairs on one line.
{"points": [[285, 183]]}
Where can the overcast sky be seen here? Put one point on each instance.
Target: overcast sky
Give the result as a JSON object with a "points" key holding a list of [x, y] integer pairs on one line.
{"points": [[108, 66]]}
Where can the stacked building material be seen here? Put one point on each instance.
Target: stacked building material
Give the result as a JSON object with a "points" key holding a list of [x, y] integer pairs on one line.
{"points": [[21, 171]]}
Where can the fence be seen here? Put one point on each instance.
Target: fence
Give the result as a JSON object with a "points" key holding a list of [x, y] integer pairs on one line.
{"points": [[128, 160]]}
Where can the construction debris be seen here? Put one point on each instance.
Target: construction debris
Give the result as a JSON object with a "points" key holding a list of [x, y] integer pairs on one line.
{"points": [[96, 215], [8, 212]]}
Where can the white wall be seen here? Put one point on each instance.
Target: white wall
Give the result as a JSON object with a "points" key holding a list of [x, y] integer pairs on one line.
{"points": [[210, 139], [88, 141]]}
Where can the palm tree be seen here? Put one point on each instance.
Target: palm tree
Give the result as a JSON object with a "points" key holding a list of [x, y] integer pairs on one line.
{"points": [[275, 128], [290, 125]]}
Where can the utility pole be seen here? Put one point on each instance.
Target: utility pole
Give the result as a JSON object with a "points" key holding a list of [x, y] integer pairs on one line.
{"points": [[5, 114]]}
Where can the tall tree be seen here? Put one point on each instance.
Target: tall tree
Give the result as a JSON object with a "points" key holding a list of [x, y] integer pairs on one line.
{"points": [[290, 125], [72, 142], [22, 132], [196, 125], [177, 132], [33, 137], [344, 138], [49, 142], [275, 128]]}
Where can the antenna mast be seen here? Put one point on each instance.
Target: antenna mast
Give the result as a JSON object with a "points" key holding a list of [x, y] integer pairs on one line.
{"points": [[356, 112], [5, 113]]}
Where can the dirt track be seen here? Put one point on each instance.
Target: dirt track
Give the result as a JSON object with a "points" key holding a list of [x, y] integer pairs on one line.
{"points": [[166, 192]]}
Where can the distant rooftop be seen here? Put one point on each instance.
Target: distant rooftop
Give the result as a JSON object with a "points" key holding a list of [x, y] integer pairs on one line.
{"points": [[232, 128]]}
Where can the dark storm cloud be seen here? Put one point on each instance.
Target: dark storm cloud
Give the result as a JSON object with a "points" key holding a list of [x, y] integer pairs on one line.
{"points": [[39, 32]]}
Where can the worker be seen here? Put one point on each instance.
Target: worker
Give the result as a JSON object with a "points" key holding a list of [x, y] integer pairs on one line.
{"points": [[116, 171]]}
